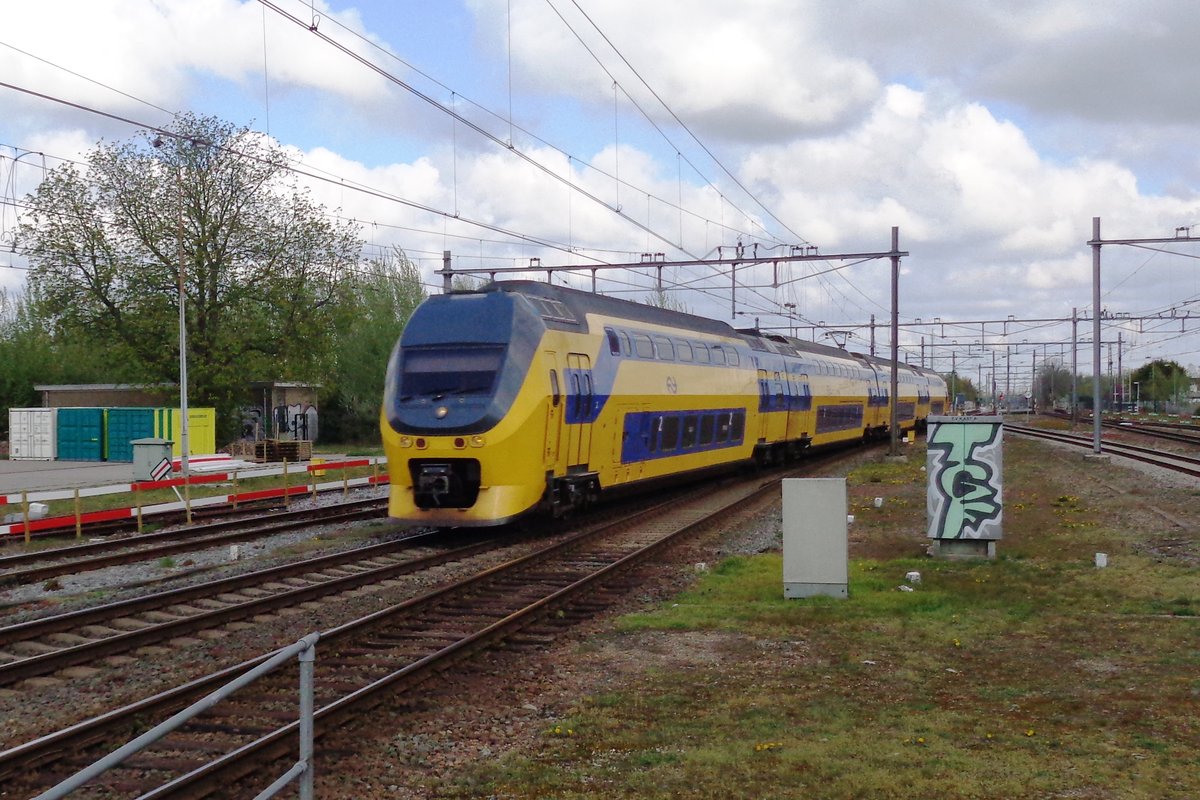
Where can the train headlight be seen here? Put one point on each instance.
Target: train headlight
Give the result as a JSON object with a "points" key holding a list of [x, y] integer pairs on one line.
{"points": [[477, 441], [406, 441], [441, 412]]}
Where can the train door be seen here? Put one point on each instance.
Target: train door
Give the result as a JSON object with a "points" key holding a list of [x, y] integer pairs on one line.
{"points": [[554, 409], [579, 410], [631, 445], [764, 403]]}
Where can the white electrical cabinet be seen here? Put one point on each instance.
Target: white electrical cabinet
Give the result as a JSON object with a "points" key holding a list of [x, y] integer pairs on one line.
{"points": [[816, 548]]}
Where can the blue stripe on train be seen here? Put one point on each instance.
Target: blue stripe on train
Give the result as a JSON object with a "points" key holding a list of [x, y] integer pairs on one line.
{"points": [[661, 434]]}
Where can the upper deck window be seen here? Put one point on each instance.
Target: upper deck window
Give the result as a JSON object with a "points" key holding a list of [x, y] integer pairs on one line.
{"points": [[666, 350], [614, 344]]}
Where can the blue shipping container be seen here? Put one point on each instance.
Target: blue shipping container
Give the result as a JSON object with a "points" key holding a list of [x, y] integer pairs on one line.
{"points": [[80, 434], [121, 427]]}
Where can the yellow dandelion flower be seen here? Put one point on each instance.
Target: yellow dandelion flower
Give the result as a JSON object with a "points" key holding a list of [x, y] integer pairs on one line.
{"points": [[1029, 732]]}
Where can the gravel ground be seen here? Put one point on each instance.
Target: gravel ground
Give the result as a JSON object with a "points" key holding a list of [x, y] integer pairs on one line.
{"points": [[39, 705], [507, 702], [18, 603], [510, 700]]}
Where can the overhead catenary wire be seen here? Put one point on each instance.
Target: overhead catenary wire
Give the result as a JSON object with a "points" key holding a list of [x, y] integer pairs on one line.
{"points": [[513, 126], [468, 123], [308, 172]]}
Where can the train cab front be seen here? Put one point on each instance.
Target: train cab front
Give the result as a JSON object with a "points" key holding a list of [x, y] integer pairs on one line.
{"points": [[461, 447]]}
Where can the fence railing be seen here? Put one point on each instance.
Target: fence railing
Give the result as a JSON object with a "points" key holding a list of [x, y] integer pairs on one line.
{"points": [[297, 480], [304, 649]]}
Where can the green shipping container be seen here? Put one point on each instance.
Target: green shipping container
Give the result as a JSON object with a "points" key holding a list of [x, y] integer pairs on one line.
{"points": [[202, 430], [80, 434], [121, 427]]}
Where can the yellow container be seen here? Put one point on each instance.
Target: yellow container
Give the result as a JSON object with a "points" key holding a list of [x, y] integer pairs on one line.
{"points": [[202, 429]]}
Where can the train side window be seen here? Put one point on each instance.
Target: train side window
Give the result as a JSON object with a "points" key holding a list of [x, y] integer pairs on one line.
{"points": [[701, 353], [655, 427], [643, 346], [670, 433], [706, 429], [718, 354], [778, 392], [734, 358], [738, 425], [614, 344], [690, 426], [555, 392], [723, 423], [626, 347], [683, 350], [666, 350]]}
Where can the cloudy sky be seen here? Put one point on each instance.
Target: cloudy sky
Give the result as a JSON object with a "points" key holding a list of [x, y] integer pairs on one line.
{"points": [[990, 133]]}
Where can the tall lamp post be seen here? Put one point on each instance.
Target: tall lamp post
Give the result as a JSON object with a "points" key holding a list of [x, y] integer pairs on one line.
{"points": [[183, 379]]}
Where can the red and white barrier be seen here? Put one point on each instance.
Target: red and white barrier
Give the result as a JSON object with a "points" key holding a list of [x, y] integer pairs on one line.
{"points": [[69, 520]]}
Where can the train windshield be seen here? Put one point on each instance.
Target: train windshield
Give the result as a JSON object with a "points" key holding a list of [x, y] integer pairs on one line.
{"points": [[449, 370]]}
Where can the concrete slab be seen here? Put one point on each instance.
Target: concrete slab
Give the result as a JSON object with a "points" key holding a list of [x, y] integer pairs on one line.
{"points": [[33, 476]]}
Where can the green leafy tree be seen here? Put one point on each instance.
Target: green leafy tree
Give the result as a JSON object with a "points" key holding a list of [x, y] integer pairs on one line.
{"points": [[1161, 381], [957, 384], [466, 283], [29, 355], [1053, 383], [262, 265], [376, 304]]}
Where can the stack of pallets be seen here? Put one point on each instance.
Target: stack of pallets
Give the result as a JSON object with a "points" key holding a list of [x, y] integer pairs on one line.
{"points": [[280, 449]]}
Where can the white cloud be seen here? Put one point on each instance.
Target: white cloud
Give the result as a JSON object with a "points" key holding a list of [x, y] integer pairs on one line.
{"points": [[989, 133], [157, 51], [754, 72]]}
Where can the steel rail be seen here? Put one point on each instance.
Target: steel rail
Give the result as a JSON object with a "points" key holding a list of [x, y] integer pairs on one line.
{"points": [[52, 746], [1171, 461], [180, 542], [83, 653], [248, 758]]}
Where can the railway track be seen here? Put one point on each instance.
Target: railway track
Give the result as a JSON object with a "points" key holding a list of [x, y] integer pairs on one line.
{"points": [[1167, 431], [49, 644], [116, 527], [361, 663], [78, 558], [1187, 465]]}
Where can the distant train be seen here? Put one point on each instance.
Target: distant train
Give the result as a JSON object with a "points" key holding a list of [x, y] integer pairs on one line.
{"points": [[524, 397]]}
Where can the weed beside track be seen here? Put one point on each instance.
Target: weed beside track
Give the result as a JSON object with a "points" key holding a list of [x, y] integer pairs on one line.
{"points": [[1036, 675]]}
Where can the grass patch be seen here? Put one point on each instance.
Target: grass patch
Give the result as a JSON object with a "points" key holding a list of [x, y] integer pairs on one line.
{"points": [[1034, 675]]}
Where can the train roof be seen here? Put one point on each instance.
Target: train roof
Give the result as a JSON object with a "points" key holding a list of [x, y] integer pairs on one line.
{"points": [[580, 303], [564, 307]]}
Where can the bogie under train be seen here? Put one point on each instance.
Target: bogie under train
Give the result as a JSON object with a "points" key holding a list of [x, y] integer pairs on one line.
{"points": [[524, 396]]}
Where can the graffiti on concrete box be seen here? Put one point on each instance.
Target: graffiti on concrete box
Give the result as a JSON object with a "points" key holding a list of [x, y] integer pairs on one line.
{"points": [[964, 497], [297, 421]]}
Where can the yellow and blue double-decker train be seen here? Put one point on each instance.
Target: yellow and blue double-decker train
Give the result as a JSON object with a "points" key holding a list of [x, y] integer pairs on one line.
{"points": [[525, 397]]}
